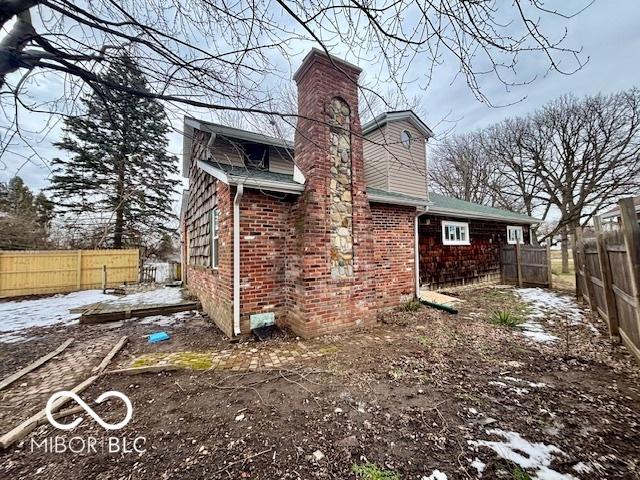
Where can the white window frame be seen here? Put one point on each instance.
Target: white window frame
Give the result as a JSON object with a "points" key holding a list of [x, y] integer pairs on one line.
{"points": [[409, 141], [215, 236], [517, 228], [445, 228]]}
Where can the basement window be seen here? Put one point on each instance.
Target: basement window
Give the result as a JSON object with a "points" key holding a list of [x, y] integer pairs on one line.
{"points": [[455, 233], [215, 234], [514, 235]]}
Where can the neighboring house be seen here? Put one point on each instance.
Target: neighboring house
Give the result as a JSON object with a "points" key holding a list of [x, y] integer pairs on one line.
{"points": [[322, 244], [612, 216]]}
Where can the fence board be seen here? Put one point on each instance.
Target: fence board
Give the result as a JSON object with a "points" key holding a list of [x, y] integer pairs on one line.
{"points": [[533, 267], [58, 271], [609, 276]]}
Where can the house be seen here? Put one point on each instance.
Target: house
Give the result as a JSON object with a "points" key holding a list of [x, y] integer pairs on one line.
{"points": [[321, 233], [611, 217]]}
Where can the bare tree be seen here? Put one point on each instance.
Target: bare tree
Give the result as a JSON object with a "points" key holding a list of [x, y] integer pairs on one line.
{"points": [[226, 56], [461, 167], [571, 159]]}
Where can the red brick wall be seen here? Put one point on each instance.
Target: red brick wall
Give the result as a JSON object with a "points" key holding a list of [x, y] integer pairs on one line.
{"points": [[318, 303], [394, 253], [263, 231], [448, 265]]}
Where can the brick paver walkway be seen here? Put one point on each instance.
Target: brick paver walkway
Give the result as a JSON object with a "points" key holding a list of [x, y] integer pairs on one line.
{"points": [[28, 395], [253, 357]]}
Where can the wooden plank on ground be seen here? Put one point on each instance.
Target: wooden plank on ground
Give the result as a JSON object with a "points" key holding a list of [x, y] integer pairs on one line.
{"points": [[29, 368], [99, 315], [116, 348], [26, 427]]}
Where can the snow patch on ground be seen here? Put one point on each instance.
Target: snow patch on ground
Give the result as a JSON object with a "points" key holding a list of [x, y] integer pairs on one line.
{"points": [[163, 320], [22, 314], [479, 465], [548, 305], [530, 456], [436, 475], [162, 295]]}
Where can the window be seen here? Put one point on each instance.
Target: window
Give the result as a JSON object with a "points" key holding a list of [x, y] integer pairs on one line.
{"points": [[256, 156], [215, 233], [406, 138], [455, 233], [514, 235]]}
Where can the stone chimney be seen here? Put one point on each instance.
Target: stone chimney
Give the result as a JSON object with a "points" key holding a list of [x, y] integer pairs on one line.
{"points": [[331, 278]]}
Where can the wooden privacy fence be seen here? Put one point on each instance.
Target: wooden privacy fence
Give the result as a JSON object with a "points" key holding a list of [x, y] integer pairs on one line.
{"points": [[57, 271], [526, 265], [608, 276]]}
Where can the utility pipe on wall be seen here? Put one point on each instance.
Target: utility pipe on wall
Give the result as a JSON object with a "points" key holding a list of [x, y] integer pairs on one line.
{"points": [[236, 258]]}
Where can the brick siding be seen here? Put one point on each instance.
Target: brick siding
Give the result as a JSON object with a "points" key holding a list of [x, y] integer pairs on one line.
{"points": [[394, 248]]}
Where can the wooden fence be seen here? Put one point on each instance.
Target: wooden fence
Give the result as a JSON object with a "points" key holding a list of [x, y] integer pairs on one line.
{"points": [[526, 265], [608, 276], [57, 271]]}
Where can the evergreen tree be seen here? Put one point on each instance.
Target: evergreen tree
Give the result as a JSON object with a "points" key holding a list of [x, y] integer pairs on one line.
{"points": [[119, 164], [24, 219]]}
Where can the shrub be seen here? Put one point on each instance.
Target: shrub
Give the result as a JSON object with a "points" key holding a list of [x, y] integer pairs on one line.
{"points": [[505, 318], [370, 471], [411, 306]]}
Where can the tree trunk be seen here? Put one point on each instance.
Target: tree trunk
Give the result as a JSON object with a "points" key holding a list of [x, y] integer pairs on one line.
{"points": [[119, 227], [564, 246]]}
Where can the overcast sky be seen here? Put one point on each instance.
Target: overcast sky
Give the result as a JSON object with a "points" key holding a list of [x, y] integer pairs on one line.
{"points": [[608, 32]]}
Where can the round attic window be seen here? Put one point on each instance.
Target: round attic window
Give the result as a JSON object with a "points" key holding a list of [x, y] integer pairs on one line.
{"points": [[406, 138]]}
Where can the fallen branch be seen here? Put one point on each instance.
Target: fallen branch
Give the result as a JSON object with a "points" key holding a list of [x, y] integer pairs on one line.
{"points": [[243, 460], [26, 427], [29, 368], [116, 348]]}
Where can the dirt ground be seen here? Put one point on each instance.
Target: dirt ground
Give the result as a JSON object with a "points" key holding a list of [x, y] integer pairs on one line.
{"points": [[422, 391]]}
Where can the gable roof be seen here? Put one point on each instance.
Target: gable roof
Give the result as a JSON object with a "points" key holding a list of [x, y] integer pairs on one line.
{"points": [[407, 115]]}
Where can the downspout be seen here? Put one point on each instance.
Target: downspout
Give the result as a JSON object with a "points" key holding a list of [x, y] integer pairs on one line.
{"points": [[416, 249], [236, 258]]}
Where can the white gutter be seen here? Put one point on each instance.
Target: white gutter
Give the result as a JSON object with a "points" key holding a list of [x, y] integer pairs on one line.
{"points": [[236, 258], [395, 201]]}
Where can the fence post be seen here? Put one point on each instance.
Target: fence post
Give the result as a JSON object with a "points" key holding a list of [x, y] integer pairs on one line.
{"points": [[104, 279], [549, 271], [518, 264], [576, 266], [79, 270], [607, 281], [631, 232], [586, 272]]}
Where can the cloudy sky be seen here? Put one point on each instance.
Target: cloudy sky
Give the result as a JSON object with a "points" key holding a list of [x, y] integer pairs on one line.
{"points": [[607, 32]]}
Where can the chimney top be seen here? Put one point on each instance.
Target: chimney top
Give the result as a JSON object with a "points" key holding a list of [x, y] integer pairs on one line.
{"points": [[315, 54]]}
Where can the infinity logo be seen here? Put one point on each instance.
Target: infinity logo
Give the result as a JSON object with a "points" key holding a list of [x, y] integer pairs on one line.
{"points": [[87, 408]]}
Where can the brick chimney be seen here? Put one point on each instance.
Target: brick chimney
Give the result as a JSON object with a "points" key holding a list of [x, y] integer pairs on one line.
{"points": [[330, 277]]}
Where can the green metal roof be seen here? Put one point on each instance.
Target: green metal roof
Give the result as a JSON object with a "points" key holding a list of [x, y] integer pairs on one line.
{"points": [[443, 205], [253, 173], [452, 206]]}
